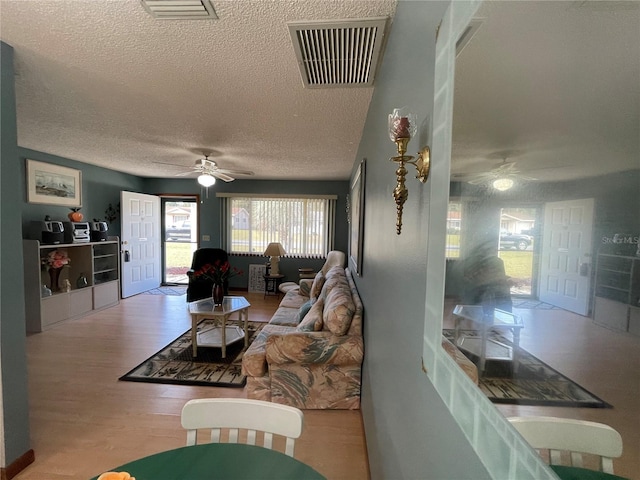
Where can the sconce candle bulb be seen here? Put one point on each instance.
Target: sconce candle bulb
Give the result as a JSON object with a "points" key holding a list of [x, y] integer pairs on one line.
{"points": [[402, 127]]}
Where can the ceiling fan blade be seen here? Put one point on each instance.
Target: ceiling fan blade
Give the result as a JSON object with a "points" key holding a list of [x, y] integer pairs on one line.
{"points": [[172, 164], [222, 176], [234, 172], [185, 174], [478, 181]]}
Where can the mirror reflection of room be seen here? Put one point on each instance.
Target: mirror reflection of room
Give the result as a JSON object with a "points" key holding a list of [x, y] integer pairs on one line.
{"points": [[543, 224]]}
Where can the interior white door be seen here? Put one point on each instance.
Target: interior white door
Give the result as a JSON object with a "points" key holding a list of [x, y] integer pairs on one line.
{"points": [[566, 255], [141, 243]]}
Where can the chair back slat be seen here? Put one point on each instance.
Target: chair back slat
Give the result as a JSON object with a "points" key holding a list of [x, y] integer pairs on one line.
{"points": [[251, 437], [575, 436], [576, 459], [243, 414], [267, 442]]}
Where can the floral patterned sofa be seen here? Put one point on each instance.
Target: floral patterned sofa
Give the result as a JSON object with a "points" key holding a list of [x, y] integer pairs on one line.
{"points": [[310, 354]]}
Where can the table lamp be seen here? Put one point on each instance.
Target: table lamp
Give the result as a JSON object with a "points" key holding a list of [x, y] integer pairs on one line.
{"points": [[275, 250]]}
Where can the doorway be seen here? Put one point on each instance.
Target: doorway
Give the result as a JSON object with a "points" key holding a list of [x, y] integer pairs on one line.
{"points": [[517, 244], [180, 237]]}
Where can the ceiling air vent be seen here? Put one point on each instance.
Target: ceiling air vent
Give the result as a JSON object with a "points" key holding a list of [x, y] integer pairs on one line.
{"points": [[180, 9], [338, 53]]}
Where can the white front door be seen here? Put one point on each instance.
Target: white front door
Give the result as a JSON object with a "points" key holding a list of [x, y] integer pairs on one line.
{"points": [[566, 254], [141, 242]]}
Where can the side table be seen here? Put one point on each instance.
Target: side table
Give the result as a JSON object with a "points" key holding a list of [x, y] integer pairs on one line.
{"points": [[271, 284]]}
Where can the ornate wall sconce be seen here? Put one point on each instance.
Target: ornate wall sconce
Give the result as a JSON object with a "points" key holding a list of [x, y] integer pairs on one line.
{"points": [[402, 126]]}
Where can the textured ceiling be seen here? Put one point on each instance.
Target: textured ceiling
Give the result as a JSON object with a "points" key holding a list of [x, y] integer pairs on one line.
{"points": [[553, 86], [105, 83]]}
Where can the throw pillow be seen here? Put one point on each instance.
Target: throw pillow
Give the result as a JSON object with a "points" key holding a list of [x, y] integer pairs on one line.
{"points": [[304, 309], [305, 287], [312, 321], [316, 288], [339, 310]]}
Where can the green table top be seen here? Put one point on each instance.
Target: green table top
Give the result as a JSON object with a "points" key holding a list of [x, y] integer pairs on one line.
{"points": [[212, 461], [576, 473]]}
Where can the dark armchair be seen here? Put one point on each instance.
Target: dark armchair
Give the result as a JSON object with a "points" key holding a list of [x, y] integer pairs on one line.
{"points": [[200, 288]]}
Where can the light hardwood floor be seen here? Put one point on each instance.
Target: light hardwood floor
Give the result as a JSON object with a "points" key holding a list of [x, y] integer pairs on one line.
{"points": [[84, 421], [604, 362]]}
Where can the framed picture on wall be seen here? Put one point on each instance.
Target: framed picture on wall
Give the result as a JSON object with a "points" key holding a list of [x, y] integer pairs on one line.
{"points": [[356, 219], [53, 184]]}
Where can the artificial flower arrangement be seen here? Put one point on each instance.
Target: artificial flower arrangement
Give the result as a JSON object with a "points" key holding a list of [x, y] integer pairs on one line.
{"points": [[56, 259], [218, 272]]}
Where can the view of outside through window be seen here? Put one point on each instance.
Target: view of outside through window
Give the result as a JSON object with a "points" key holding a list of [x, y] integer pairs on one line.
{"points": [[180, 220], [299, 224], [517, 233]]}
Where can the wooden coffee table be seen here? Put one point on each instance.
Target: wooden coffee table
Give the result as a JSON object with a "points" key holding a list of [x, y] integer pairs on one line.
{"points": [[484, 347], [219, 336]]}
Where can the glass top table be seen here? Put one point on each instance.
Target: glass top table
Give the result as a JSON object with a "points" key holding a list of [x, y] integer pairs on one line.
{"points": [[223, 335], [486, 321]]}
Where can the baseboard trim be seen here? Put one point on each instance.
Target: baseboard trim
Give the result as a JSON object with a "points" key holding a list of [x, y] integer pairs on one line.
{"points": [[22, 462]]}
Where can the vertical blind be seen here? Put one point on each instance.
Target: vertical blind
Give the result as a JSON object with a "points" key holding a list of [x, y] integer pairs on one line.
{"points": [[305, 226], [454, 225]]}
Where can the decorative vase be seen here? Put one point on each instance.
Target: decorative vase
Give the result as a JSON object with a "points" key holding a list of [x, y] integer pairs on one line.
{"points": [[75, 215], [217, 293], [54, 274]]}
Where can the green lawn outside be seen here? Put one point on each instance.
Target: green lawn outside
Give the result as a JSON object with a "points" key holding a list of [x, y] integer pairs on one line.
{"points": [[178, 255], [517, 264]]}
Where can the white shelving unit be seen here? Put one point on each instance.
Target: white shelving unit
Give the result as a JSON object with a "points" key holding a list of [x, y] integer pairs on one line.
{"points": [[98, 262], [617, 293]]}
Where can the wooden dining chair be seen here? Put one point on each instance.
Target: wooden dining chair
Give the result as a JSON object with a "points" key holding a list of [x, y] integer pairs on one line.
{"points": [[574, 436], [237, 414]]}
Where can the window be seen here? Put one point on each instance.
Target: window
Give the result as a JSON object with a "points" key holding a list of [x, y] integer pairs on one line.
{"points": [[454, 223], [303, 225]]}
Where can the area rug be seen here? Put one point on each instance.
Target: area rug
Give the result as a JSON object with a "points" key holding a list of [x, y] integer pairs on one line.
{"points": [[533, 304], [175, 364], [167, 290], [535, 383]]}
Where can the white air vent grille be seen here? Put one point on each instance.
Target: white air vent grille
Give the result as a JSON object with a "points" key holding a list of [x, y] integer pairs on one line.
{"points": [[180, 9], [338, 53]]}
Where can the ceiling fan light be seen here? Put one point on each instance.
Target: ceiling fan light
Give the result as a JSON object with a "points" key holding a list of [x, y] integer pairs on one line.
{"points": [[502, 184], [206, 180]]}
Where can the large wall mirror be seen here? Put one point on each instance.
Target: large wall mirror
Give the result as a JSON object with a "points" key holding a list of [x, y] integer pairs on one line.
{"points": [[545, 171]]}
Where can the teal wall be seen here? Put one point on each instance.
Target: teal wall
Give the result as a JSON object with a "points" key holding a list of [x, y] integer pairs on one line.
{"points": [[410, 431], [100, 187], [12, 316], [210, 210]]}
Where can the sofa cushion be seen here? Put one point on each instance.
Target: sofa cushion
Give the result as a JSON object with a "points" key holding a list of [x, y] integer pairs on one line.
{"points": [[312, 321], [316, 288], [304, 309], [305, 287], [293, 300], [338, 309], [254, 359], [335, 276], [285, 316]]}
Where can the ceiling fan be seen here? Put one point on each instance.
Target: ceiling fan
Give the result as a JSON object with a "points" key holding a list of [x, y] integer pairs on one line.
{"points": [[502, 177], [208, 171]]}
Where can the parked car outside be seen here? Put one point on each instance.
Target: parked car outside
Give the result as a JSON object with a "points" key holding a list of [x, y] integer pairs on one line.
{"points": [[182, 231], [510, 240]]}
